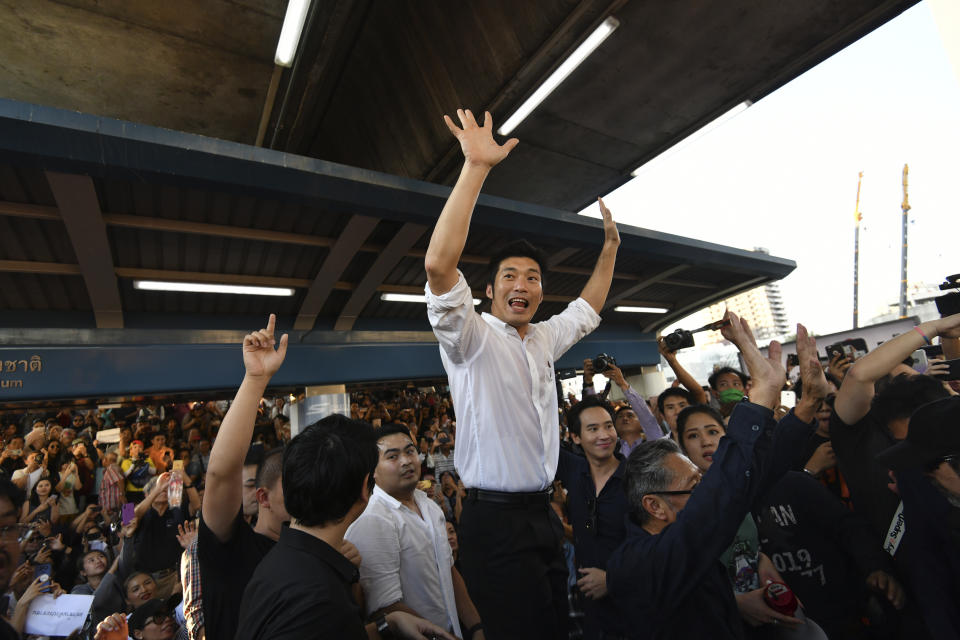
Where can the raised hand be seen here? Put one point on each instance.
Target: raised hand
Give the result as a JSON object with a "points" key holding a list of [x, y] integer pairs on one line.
{"points": [[259, 356], [611, 236], [768, 372], [477, 143], [814, 381], [186, 533], [113, 627]]}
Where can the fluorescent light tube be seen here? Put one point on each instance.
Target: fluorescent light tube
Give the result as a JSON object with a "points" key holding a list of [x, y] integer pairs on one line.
{"points": [[410, 297], [641, 309], [696, 135], [290, 33], [202, 287], [588, 46]]}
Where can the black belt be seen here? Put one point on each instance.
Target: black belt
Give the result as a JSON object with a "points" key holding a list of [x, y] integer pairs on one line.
{"points": [[504, 497]]}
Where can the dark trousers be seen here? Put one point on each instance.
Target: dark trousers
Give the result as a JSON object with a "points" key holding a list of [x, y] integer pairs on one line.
{"points": [[512, 562]]}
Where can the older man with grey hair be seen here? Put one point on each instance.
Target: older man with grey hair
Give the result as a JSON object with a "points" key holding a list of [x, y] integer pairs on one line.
{"points": [[667, 577]]}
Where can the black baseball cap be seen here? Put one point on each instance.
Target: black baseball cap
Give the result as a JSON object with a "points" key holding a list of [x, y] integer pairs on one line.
{"points": [[138, 619], [934, 433]]}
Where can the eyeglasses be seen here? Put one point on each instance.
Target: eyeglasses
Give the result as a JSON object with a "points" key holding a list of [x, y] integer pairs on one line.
{"points": [[157, 618], [677, 493]]}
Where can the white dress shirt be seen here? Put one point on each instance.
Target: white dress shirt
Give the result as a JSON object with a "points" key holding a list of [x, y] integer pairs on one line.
{"points": [[406, 557], [503, 389]]}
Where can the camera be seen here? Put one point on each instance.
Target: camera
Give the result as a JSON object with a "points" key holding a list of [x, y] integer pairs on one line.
{"points": [[39, 458], [603, 362], [679, 339], [949, 304]]}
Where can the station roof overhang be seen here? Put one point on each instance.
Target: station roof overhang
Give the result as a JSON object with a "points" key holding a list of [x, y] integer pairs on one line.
{"points": [[90, 204]]}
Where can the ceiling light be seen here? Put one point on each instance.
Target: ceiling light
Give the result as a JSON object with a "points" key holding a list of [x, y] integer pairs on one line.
{"points": [[202, 287], [410, 297], [641, 309], [290, 33], [588, 46], [699, 133]]}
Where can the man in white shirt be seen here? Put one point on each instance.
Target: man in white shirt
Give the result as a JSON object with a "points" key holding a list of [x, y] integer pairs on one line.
{"points": [[402, 537], [500, 369]]}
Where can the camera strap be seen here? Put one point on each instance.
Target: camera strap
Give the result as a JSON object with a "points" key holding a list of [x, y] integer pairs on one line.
{"points": [[895, 533]]}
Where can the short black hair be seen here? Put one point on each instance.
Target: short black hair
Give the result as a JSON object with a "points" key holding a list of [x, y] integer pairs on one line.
{"points": [[723, 371], [13, 493], [693, 410], [671, 392], [798, 385], [573, 413], [270, 469], [900, 396], [393, 428], [324, 468], [516, 249]]}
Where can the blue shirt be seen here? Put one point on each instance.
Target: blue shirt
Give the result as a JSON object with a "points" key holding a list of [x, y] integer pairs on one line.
{"points": [[674, 581]]}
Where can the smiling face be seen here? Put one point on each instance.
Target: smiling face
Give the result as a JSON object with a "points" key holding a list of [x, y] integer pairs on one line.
{"points": [[516, 292], [598, 437], [43, 488], [701, 437], [140, 588], [398, 469]]}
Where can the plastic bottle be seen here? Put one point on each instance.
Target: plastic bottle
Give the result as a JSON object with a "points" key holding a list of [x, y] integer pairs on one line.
{"points": [[175, 490]]}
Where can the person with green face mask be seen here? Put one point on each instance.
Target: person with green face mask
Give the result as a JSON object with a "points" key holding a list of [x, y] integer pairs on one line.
{"points": [[728, 386]]}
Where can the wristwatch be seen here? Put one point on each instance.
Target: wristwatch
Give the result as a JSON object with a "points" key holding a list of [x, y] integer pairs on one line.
{"points": [[382, 627]]}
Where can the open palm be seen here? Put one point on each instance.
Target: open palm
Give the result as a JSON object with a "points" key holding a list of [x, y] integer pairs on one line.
{"points": [[260, 358], [476, 142]]}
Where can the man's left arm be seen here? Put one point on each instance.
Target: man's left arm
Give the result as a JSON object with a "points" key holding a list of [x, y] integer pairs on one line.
{"points": [[466, 611], [598, 286]]}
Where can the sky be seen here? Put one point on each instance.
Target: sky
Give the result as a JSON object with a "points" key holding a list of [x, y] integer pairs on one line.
{"points": [[783, 175]]}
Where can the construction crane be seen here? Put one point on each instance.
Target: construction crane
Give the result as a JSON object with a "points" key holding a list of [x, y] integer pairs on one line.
{"points": [[905, 207], [856, 255]]}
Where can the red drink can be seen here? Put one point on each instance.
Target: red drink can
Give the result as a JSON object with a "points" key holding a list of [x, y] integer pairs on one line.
{"points": [[780, 598]]}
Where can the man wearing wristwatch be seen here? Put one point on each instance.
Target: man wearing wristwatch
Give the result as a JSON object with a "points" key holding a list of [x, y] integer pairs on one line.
{"points": [[500, 369]]}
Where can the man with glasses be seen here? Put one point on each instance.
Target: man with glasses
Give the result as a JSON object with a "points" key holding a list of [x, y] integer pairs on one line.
{"points": [[154, 620], [666, 578]]}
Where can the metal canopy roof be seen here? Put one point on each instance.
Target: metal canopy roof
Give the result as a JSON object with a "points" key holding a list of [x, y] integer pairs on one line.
{"points": [[371, 79], [88, 204]]}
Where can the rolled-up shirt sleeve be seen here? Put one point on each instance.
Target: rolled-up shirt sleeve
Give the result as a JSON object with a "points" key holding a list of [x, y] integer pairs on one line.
{"points": [[457, 326], [570, 325], [378, 542]]}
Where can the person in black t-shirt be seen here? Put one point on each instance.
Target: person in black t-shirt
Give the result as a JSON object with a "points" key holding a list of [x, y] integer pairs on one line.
{"points": [[871, 413], [302, 588], [156, 548], [228, 549]]}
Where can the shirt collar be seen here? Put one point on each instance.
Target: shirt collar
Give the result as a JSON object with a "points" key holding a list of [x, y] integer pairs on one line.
{"points": [[303, 541], [499, 324], [380, 494]]}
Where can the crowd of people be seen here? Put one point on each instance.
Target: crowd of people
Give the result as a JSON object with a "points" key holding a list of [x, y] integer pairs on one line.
{"points": [[494, 507]]}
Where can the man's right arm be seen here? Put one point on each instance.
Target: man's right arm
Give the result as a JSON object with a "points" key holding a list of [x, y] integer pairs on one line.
{"points": [[481, 153], [856, 392], [224, 479]]}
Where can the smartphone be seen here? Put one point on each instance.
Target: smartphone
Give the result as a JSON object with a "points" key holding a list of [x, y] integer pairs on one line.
{"points": [[126, 513], [42, 570], [953, 373], [178, 465], [920, 362], [788, 399]]}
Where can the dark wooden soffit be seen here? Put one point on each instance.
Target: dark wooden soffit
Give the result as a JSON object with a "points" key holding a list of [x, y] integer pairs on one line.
{"points": [[80, 210]]}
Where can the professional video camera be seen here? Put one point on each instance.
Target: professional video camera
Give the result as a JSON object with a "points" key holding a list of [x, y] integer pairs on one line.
{"points": [[683, 339]]}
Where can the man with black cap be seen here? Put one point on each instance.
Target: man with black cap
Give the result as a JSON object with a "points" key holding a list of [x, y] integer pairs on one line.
{"points": [[927, 468]]}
